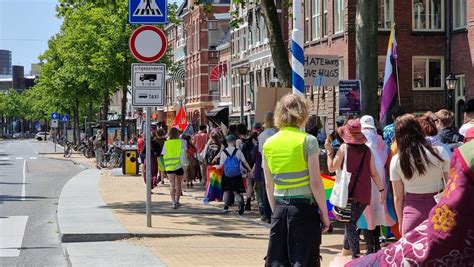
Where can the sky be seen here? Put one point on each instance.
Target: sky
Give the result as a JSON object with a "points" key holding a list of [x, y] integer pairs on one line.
{"points": [[26, 26]]}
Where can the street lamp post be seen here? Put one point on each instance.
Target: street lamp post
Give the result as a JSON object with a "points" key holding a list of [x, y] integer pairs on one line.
{"points": [[243, 70], [451, 82]]}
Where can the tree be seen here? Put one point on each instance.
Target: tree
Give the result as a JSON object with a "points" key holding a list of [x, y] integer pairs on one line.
{"points": [[366, 54]]}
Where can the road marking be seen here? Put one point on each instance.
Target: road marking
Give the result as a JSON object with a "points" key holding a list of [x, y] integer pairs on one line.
{"points": [[33, 157], [23, 189], [36, 151], [13, 230], [19, 157], [5, 158]]}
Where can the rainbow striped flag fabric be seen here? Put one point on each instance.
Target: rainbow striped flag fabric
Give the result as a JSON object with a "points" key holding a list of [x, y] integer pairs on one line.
{"points": [[328, 182], [213, 185]]}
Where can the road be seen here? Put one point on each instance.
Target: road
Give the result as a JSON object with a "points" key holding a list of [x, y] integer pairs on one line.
{"points": [[30, 186]]}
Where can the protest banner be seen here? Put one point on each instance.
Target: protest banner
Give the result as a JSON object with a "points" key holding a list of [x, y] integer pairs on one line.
{"points": [[321, 70]]}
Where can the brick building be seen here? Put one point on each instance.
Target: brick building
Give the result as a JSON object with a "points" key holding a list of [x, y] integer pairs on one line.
{"points": [[204, 26], [421, 36], [250, 47]]}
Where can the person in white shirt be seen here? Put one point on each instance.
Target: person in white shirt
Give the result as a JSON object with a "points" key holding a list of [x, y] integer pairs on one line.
{"points": [[234, 183], [417, 172], [468, 117]]}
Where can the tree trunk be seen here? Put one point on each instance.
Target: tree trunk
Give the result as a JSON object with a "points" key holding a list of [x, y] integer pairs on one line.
{"points": [[277, 45], [105, 107], [366, 54], [76, 129], [123, 112], [90, 119]]}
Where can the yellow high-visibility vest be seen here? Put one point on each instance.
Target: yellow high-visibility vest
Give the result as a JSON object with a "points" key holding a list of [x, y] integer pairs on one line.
{"points": [[284, 153], [173, 150]]}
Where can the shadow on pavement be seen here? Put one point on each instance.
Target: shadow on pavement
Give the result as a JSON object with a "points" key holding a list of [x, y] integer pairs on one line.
{"points": [[5, 198], [6, 183]]}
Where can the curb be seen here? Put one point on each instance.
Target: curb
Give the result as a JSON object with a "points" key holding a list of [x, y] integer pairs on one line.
{"points": [[103, 237], [82, 166]]}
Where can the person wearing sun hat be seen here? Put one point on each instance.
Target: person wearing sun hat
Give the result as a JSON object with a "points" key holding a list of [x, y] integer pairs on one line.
{"points": [[361, 165]]}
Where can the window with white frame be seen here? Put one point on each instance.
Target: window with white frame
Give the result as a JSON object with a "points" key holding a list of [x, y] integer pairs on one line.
{"points": [[428, 73], [460, 86], [338, 16], [459, 14], [307, 10], [316, 19], [428, 15], [325, 18], [385, 14]]}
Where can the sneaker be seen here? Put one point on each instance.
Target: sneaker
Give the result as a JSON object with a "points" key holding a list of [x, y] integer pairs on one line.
{"points": [[178, 204], [241, 208], [226, 209], [175, 206]]}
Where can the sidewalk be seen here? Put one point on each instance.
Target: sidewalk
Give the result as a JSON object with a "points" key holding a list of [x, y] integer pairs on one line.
{"points": [[102, 214]]}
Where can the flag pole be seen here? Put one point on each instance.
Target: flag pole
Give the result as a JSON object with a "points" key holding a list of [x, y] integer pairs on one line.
{"points": [[396, 66]]}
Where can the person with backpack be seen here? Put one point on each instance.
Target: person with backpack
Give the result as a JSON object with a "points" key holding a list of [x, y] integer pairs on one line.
{"points": [[232, 160], [246, 143]]}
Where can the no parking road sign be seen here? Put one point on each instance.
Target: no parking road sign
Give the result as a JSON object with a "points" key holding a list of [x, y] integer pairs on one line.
{"points": [[147, 11], [148, 85], [148, 43]]}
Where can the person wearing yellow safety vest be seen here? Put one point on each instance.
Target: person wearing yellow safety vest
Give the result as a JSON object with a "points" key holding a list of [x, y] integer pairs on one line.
{"points": [[174, 156], [294, 188]]}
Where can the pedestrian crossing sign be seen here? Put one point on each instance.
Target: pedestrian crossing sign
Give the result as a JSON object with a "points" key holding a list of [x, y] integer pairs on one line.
{"points": [[147, 11]]}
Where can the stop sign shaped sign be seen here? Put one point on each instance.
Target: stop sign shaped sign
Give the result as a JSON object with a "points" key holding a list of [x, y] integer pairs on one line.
{"points": [[148, 43]]}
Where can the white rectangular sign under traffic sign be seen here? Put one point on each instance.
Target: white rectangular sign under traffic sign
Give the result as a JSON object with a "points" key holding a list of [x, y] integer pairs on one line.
{"points": [[54, 123], [148, 85]]}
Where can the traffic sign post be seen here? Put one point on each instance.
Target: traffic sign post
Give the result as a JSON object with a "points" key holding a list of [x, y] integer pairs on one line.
{"points": [[148, 43], [64, 118], [54, 123], [54, 116], [148, 85], [147, 11]]}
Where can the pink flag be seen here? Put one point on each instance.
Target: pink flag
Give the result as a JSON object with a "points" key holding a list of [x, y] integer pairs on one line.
{"points": [[390, 81]]}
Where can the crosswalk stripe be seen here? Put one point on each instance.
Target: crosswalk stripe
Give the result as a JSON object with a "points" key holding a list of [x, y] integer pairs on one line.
{"points": [[33, 157], [13, 230], [5, 158], [19, 157]]}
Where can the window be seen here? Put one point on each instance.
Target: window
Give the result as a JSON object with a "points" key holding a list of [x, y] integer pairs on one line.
{"points": [[316, 19], [381, 69], [385, 14], [338, 16], [428, 15], [459, 14], [428, 73], [306, 20], [325, 18], [461, 86]]}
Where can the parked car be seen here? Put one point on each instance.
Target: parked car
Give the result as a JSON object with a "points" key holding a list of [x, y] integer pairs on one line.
{"points": [[16, 135], [41, 135]]}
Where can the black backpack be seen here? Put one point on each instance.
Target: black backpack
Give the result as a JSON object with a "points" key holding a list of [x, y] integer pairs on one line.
{"points": [[247, 147], [212, 151]]}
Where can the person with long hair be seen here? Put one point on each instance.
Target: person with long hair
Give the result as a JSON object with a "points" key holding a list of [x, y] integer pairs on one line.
{"points": [[191, 171], [416, 172], [174, 155], [294, 188]]}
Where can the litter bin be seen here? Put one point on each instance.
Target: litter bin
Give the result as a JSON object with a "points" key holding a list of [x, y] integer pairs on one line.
{"points": [[130, 160]]}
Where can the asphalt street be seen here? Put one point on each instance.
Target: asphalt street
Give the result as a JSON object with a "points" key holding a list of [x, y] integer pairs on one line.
{"points": [[30, 186]]}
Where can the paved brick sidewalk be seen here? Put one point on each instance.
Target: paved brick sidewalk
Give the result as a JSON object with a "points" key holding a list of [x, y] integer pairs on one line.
{"points": [[196, 234]]}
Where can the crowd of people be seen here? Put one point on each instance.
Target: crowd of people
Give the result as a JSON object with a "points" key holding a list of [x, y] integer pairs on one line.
{"points": [[397, 173]]}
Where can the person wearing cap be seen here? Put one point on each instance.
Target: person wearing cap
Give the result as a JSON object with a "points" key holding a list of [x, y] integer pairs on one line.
{"points": [[468, 117], [361, 165], [234, 184], [376, 213], [295, 190]]}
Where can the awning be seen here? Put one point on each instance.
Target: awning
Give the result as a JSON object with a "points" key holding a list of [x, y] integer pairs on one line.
{"points": [[218, 71], [177, 75], [219, 115]]}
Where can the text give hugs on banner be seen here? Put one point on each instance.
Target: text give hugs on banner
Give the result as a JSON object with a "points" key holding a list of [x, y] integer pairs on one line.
{"points": [[321, 70]]}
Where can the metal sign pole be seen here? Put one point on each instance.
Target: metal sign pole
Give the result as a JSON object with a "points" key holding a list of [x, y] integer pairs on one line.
{"points": [[148, 166]]}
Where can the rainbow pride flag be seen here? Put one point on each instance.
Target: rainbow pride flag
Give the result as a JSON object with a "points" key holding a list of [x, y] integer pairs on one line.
{"points": [[213, 185], [328, 182]]}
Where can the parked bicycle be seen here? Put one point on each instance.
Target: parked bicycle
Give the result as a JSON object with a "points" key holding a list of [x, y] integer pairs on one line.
{"points": [[69, 146]]}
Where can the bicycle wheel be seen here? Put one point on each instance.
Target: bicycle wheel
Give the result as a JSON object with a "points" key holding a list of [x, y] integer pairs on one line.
{"points": [[67, 152]]}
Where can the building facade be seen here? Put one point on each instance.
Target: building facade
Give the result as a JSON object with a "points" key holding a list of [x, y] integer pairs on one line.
{"points": [[204, 26], [250, 47], [421, 34], [5, 64]]}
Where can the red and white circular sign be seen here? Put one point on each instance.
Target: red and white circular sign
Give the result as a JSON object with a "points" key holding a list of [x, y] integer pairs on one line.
{"points": [[148, 43]]}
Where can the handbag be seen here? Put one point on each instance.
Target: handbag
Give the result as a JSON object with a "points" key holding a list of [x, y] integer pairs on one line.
{"points": [[340, 193]]}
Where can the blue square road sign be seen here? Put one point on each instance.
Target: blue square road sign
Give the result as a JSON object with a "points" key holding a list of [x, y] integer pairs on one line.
{"points": [[64, 118], [147, 11], [54, 115]]}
